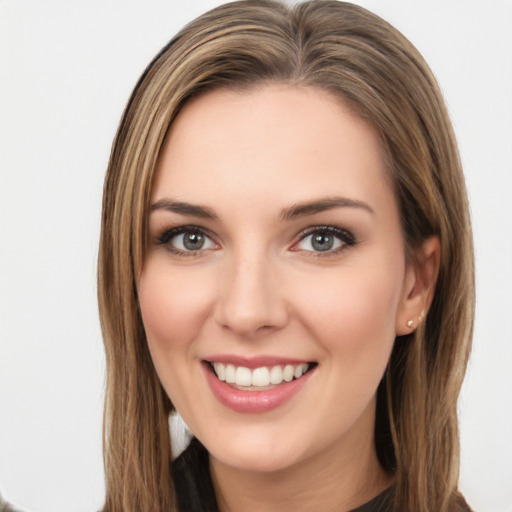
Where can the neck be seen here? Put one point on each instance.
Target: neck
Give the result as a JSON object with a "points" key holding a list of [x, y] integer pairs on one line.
{"points": [[340, 478]]}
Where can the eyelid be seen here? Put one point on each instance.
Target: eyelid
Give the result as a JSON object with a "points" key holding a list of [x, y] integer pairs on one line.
{"points": [[346, 237], [168, 234]]}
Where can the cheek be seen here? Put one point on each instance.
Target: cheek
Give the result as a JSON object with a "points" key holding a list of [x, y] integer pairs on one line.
{"points": [[354, 322], [173, 304], [354, 311]]}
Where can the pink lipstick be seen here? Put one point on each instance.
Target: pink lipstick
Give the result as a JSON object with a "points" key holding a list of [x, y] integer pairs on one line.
{"points": [[256, 385]]}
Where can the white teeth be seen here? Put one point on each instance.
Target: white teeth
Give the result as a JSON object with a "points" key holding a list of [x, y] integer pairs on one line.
{"points": [[288, 372], [229, 373], [219, 370], [276, 375], [243, 376], [299, 370], [259, 377]]}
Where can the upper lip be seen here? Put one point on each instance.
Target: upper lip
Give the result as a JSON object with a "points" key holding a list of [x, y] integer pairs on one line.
{"points": [[254, 361]]}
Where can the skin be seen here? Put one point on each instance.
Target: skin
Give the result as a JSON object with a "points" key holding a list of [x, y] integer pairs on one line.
{"points": [[258, 287]]}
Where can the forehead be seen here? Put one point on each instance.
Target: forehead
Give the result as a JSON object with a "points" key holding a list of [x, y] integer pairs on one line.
{"points": [[271, 143]]}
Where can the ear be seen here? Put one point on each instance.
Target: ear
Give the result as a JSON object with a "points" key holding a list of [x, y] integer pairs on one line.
{"points": [[419, 286]]}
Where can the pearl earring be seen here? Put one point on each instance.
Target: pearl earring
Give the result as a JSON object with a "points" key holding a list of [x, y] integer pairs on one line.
{"points": [[409, 323]]}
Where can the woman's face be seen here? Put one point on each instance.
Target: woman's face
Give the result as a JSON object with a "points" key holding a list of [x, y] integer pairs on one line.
{"points": [[275, 278]]}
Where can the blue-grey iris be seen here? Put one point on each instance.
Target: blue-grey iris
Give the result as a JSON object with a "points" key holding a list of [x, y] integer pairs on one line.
{"points": [[193, 241], [322, 242]]}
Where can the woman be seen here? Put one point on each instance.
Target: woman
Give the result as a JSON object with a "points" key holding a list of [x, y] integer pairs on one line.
{"points": [[286, 260]]}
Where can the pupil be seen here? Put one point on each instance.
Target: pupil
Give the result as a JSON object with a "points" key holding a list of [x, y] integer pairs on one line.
{"points": [[322, 242], [193, 241]]}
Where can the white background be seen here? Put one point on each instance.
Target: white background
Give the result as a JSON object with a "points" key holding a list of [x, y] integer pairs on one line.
{"points": [[66, 70]]}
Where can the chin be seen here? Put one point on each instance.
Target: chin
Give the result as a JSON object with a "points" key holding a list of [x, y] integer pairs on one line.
{"points": [[258, 457]]}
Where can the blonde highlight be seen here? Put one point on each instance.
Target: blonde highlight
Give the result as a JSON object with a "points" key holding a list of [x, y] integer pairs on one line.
{"points": [[369, 65]]}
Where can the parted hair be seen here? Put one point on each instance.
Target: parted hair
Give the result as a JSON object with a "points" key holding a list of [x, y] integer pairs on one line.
{"points": [[364, 61]]}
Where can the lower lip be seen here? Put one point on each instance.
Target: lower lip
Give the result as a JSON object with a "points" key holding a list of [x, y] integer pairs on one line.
{"points": [[254, 401]]}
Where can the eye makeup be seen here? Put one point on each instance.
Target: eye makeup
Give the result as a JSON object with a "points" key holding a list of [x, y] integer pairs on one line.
{"points": [[187, 240], [324, 240], [315, 241]]}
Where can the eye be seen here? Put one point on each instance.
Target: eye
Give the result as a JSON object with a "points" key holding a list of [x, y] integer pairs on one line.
{"points": [[324, 239], [186, 240]]}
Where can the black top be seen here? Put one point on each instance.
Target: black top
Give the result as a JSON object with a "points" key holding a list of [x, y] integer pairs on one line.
{"points": [[194, 486]]}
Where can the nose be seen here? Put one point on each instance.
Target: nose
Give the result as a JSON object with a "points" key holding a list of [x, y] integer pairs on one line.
{"points": [[251, 300]]}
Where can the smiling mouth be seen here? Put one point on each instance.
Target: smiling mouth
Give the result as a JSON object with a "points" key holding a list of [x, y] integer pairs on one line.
{"points": [[259, 379]]}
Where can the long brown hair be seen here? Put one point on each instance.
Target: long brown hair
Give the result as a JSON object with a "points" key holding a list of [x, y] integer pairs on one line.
{"points": [[344, 49]]}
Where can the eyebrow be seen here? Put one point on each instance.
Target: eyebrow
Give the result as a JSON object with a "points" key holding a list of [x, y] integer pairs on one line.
{"points": [[184, 208], [292, 212], [322, 205]]}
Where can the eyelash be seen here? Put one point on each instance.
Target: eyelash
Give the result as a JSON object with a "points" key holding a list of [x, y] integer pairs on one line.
{"points": [[166, 237], [346, 239]]}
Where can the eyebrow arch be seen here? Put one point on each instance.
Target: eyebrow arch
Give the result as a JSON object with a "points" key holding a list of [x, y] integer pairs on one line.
{"points": [[184, 208], [321, 205]]}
